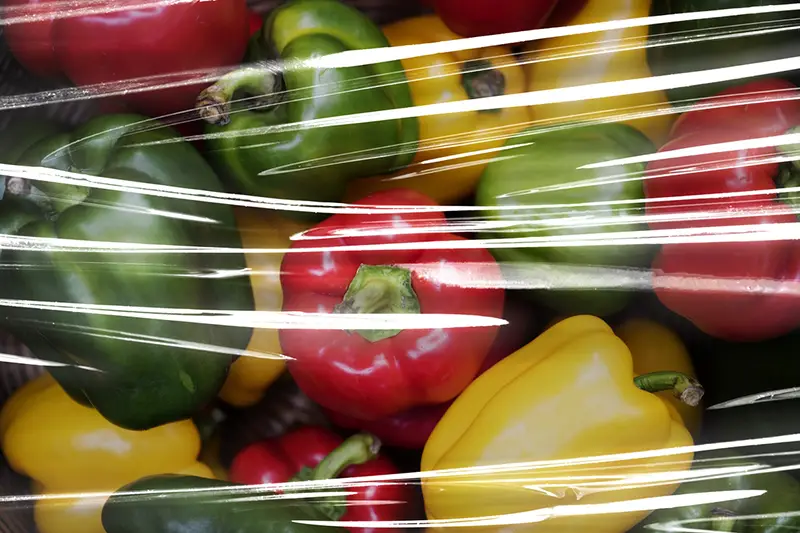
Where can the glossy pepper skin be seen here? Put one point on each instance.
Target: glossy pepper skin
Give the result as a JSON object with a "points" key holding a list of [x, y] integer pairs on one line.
{"points": [[311, 452], [771, 512], [371, 374], [67, 448], [191, 503], [711, 283], [613, 55], [251, 374], [654, 348], [411, 429], [474, 18], [137, 372], [294, 162], [451, 138], [526, 190], [570, 394], [719, 42], [101, 45]]}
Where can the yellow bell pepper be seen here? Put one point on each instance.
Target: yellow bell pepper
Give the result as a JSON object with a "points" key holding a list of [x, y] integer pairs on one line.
{"points": [[251, 375], [455, 147], [598, 57], [569, 394], [655, 348], [68, 449]]}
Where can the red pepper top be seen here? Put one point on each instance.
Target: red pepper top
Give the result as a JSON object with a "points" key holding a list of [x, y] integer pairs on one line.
{"points": [[301, 450], [104, 41], [411, 429], [370, 374], [745, 288]]}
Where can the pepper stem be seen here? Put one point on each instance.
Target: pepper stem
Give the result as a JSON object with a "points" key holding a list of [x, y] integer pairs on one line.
{"points": [[356, 450], [481, 80], [789, 175], [724, 520], [263, 80], [687, 389], [380, 289]]}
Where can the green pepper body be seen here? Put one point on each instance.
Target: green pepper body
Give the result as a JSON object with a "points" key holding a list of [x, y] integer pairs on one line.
{"points": [[537, 189], [771, 512], [137, 371], [170, 503], [263, 149], [713, 43]]}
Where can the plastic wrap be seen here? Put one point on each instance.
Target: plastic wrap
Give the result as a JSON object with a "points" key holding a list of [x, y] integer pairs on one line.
{"points": [[508, 265]]}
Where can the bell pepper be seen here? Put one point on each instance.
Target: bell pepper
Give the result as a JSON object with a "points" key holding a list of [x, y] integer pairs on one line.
{"points": [[373, 373], [774, 510], [68, 449], [655, 348], [313, 453], [453, 147], [251, 375], [750, 468], [712, 43], [137, 372], [411, 429], [132, 46], [191, 503], [474, 18], [598, 57], [525, 194], [711, 283], [570, 394], [289, 160]]}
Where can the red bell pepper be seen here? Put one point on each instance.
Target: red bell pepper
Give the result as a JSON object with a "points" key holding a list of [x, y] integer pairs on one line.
{"points": [[411, 429], [738, 291], [473, 18], [373, 374], [314, 453], [104, 41]]}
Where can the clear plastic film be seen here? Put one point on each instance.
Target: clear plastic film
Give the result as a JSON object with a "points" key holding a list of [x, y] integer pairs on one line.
{"points": [[520, 265]]}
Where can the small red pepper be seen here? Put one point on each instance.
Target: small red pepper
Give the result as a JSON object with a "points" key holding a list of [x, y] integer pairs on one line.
{"points": [[372, 374], [315, 453], [473, 18], [411, 429], [737, 291], [108, 41]]}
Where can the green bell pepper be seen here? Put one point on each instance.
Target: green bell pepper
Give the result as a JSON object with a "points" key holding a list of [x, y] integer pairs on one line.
{"points": [[171, 503], [712, 43], [143, 367], [771, 512], [537, 189], [266, 149]]}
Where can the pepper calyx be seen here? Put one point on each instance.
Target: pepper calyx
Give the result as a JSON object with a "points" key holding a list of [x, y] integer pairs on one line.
{"points": [[380, 289], [262, 81], [481, 80]]}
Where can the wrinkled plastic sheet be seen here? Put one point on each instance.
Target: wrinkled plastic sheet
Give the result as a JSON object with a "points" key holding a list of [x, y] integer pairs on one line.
{"points": [[567, 481]]}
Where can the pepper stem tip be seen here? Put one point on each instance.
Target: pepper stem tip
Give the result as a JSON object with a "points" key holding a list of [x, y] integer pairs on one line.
{"points": [[684, 387]]}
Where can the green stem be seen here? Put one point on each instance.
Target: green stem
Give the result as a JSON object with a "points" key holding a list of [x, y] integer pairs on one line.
{"points": [[380, 289], [262, 80], [356, 450], [687, 389], [481, 80]]}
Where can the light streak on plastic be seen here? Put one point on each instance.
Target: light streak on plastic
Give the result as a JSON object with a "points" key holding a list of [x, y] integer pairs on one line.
{"points": [[549, 513], [32, 361], [716, 148], [352, 58]]}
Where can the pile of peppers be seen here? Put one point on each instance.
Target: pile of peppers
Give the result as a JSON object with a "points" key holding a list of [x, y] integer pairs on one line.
{"points": [[546, 282]]}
